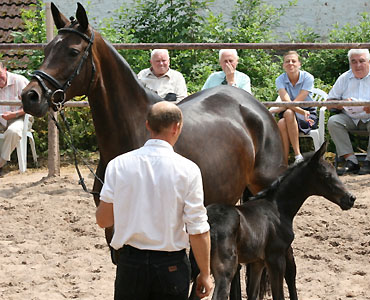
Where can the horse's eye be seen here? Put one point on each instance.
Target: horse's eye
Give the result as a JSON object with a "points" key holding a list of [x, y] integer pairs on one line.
{"points": [[327, 176], [73, 52]]}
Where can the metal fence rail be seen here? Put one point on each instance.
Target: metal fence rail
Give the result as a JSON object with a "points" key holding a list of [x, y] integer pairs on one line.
{"points": [[266, 103], [205, 46]]}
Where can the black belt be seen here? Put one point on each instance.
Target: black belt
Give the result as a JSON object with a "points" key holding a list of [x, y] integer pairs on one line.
{"points": [[132, 250]]}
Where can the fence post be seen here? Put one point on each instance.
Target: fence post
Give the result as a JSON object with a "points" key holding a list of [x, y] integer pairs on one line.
{"points": [[53, 136]]}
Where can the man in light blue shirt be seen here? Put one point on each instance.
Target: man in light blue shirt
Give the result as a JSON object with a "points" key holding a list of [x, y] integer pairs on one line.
{"points": [[228, 59], [353, 85]]}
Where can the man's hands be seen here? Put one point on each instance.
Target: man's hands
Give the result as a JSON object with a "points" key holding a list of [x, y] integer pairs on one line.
{"points": [[367, 109], [340, 107], [204, 285], [229, 71], [9, 115]]}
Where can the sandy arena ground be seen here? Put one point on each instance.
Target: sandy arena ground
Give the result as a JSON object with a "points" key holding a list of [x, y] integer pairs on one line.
{"points": [[51, 248]]}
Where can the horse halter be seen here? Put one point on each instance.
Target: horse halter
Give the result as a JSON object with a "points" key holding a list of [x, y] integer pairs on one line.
{"points": [[62, 88]]}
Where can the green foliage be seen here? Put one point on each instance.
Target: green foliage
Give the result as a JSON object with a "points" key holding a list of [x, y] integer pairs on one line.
{"points": [[35, 32], [253, 20], [327, 65], [183, 21]]}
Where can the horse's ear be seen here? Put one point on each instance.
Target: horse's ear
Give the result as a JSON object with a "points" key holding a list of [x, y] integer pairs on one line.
{"points": [[82, 17], [59, 19], [320, 153]]}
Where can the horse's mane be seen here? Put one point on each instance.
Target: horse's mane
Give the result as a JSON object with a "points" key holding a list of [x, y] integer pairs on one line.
{"points": [[126, 68], [276, 184]]}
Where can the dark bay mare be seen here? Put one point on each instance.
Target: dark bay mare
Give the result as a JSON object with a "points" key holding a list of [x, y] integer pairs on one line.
{"points": [[260, 231], [230, 135]]}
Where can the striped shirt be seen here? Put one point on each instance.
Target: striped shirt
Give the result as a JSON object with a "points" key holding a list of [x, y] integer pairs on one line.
{"points": [[12, 91]]}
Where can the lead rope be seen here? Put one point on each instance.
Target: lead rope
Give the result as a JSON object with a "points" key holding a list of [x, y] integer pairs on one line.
{"points": [[74, 150]]}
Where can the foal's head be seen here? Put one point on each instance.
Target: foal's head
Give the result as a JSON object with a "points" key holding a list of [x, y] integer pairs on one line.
{"points": [[321, 177]]}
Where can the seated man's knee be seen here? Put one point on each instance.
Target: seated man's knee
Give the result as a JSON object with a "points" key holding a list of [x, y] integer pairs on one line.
{"points": [[333, 122], [11, 132]]}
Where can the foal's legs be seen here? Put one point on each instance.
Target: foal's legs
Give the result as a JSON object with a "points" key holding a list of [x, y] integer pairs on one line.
{"points": [[276, 270], [290, 274], [223, 273], [254, 279], [235, 288]]}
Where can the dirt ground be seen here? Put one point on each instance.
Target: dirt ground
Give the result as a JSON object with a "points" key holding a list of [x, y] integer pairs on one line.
{"points": [[51, 248]]}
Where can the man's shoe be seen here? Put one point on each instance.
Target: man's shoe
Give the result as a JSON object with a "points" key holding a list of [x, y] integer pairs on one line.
{"points": [[349, 168], [1, 172], [365, 169]]}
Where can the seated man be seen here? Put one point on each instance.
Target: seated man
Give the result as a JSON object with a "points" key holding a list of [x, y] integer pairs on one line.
{"points": [[351, 86], [11, 117], [159, 78], [228, 59]]}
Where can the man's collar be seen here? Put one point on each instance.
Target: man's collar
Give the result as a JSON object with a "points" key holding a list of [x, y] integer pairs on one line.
{"points": [[165, 74], [10, 80], [159, 143]]}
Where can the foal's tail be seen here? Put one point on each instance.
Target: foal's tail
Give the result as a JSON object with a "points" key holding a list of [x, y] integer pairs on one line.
{"points": [[264, 283]]}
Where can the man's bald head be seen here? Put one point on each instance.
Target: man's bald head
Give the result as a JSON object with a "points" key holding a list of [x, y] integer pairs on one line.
{"points": [[163, 115]]}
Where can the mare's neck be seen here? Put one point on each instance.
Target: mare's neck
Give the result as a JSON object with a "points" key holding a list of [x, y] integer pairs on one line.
{"points": [[118, 102]]}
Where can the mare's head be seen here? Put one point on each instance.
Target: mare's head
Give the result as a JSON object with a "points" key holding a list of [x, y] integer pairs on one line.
{"points": [[68, 67], [322, 179]]}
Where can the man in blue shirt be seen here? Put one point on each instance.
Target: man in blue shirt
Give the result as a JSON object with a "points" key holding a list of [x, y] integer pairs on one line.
{"points": [[228, 59]]}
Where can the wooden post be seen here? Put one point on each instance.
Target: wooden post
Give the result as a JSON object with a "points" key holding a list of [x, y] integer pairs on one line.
{"points": [[53, 136]]}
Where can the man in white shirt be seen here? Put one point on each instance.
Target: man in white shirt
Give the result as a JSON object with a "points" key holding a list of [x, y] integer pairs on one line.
{"points": [[154, 199], [11, 117], [351, 86], [159, 78]]}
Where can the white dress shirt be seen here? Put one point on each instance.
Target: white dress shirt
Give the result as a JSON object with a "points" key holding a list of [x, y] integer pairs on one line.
{"points": [[171, 82], [157, 198], [12, 91], [348, 86]]}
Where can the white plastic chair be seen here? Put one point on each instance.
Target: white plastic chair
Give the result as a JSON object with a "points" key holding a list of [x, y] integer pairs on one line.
{"points": [[22, 145], [317, 135]]}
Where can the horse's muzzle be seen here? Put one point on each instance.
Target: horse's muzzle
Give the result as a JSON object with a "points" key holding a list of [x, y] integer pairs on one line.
{"points": [[347, 201], [33, 103]]}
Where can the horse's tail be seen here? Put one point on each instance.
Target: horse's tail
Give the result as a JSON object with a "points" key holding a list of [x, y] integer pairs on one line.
{"points": [[264, 284]]}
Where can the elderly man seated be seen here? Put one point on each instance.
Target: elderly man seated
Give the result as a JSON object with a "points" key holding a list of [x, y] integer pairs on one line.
{"points": [[11, 117], [228, 59], [159, 78], [353, 85]]}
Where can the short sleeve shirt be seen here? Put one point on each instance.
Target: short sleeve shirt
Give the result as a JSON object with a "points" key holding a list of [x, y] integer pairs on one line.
{"points": [[242, 80], [171, 82], [305, 82], [348, 86], [12, 91]]}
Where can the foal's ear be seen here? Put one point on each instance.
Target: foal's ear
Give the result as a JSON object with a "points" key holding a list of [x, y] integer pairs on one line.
{"points": [[82, 17], [320, 153], [59, 19]]}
